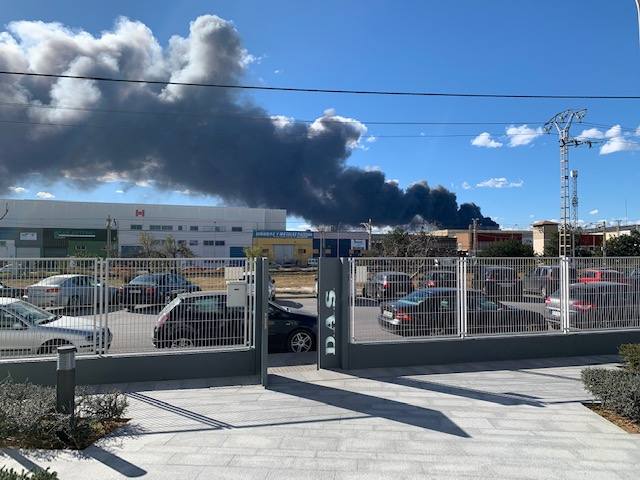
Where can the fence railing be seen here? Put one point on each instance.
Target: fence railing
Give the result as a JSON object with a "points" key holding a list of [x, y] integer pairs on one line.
{"points": [[125, 305], [404, 299]]}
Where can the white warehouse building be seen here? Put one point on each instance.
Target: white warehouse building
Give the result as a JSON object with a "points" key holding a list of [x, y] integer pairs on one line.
{"points": [[51, 228]]}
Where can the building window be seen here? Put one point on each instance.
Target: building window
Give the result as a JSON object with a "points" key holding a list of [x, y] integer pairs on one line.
{"points": [[179, 228], [167, 227], [236, 229], [182, 243], [302, 250], [219, 243], [208, 243], [219, 228], [193, 228], [193, 243], [136, 227], [155, 228]]}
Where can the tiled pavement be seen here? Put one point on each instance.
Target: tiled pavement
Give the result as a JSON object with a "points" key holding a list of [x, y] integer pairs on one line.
{"points": [[500, 420]]}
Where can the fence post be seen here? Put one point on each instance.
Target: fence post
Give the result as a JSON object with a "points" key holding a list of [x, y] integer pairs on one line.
{"points": [[331, 303], [261, 320], [564, 294], [462, 296]]}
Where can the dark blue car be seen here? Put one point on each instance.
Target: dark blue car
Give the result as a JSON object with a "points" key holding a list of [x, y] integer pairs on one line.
{"points": [[154, 289]]}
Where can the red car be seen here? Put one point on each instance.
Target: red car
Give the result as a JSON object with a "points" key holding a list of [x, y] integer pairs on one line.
{"points": [[591, 275]]}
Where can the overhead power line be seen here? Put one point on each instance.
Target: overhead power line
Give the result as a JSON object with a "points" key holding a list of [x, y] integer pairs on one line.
{"points": [[325, 90]]}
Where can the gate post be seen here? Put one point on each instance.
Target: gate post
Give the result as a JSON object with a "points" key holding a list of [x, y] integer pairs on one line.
{"points": [[333, 304], [564, 294], [261, 323]]}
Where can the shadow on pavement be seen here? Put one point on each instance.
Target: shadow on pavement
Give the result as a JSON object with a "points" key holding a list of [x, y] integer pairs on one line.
{"points": [[21, 459], [368, 405], [114, 462]]}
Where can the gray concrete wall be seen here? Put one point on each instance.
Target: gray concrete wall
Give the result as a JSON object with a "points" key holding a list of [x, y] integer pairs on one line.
{"points": [[485, 349], [124, 369]]}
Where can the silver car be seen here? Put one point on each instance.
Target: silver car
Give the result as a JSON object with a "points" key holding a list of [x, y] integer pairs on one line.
{"points": [[71, 290], [28, 330]]}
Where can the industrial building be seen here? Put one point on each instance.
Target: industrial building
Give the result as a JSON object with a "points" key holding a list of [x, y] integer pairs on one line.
{"points": [[50, 228], [468, 241], [297, 247]]}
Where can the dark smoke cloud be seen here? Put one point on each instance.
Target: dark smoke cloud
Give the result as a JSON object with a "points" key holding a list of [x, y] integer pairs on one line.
{"points": [[236, 151]]}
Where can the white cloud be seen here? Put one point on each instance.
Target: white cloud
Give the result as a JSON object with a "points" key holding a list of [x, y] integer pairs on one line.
{"points": [[466, 186], [277, 71], [595, 211], [18, 190], [393, 181], [617, 141], [372, 168], [485, 140], [119, 191], [144, 183], [500, 182], [371, 139], [522, 135], [45, 195], [590, 134]]}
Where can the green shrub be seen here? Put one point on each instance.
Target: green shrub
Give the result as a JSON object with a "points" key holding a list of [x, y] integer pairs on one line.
{"points": [[28, 416], [618, 390], [630, 352], [11, 474]]}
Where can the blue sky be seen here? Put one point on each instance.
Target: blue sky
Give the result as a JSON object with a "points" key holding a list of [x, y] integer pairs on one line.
{"points": [[502, 46]]}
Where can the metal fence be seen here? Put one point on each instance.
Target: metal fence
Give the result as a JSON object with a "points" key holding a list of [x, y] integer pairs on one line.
{"points": [[125, 305], [409, 299]]}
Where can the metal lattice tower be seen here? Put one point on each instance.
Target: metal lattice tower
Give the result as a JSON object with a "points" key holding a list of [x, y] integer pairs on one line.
{"points": [[574, 198], [562, 122]]}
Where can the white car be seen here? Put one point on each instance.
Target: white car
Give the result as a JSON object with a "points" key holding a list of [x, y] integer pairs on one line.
{"points": [[28, 330]]}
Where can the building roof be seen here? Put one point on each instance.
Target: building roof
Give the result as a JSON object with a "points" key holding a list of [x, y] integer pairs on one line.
{"points": [[541, 223]]}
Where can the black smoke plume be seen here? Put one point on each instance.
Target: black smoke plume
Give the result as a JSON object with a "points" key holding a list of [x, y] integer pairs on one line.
{"points": [[204, 140]]}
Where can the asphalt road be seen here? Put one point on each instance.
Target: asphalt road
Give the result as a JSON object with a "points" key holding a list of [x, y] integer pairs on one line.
{"points": [[133, 330]]}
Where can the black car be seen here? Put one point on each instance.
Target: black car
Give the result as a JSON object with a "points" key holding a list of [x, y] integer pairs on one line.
{"points": [[597, 305], [13, 292], [439, 278], [545, 279], [499, 283], [432, 311], [154, 289], [204, 319], [387, 285]]}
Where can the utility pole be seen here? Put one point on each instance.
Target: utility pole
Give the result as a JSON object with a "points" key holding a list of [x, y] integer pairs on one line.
{"points": [[111, 223], [562, 122], [475, 237], [604, 238], [369, 227]]}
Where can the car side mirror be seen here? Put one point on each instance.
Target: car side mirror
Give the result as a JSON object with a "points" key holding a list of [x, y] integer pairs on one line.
{"points": [[18, 326]]}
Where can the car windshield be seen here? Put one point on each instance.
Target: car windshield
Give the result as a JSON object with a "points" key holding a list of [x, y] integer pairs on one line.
{"points": [[415, 297], [30, 313], [145, 280]]}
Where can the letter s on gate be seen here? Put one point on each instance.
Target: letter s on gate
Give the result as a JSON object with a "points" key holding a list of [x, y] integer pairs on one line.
{"points": [[330, 299]]}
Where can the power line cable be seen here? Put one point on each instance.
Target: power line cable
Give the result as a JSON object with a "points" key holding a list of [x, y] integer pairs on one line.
{"points": [[326, 90]]}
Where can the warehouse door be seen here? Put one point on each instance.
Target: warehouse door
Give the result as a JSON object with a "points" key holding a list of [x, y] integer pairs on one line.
{"points": [[283, 253]]}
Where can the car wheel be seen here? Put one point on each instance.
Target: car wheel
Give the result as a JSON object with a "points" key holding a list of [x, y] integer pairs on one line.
{"points": [[181, 340], [51, 347], [364, 293], [300, 341]]}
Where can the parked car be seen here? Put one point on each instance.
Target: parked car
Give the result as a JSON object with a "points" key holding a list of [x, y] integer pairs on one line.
{"points": [[70, 290], [545, 279], [597, 305], [499, 283], [204, 319], [591, 275], [432, 311], [312, 262], [15, 292], [154, 289], [439, 278], [26, 330], [14, 270], [387, 285]]}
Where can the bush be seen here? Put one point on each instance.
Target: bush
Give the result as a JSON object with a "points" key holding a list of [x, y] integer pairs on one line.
{"points": [[28, 417], [618, 390], [11, 474], [630, 352]]}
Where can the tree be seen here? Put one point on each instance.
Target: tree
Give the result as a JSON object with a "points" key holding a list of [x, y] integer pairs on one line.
{"points": [[147, 245], [401, 243], [624, 245], [172, 249], [254, 251], [552, 248], [507, 248]]}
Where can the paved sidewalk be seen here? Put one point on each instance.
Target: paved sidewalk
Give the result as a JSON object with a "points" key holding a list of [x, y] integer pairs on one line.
{"points": [[499, 420]]}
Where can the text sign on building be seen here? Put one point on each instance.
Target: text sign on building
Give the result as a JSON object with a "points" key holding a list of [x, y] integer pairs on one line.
{"points": [[281, 234], [329, 311], [29, 236], [139, 213]]}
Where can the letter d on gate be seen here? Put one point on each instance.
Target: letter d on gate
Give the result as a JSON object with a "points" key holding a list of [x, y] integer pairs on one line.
{"points": [[329, 312]]}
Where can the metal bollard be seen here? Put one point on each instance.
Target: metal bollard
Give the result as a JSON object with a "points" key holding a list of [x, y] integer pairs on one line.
{"points": [[66, 380]]}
